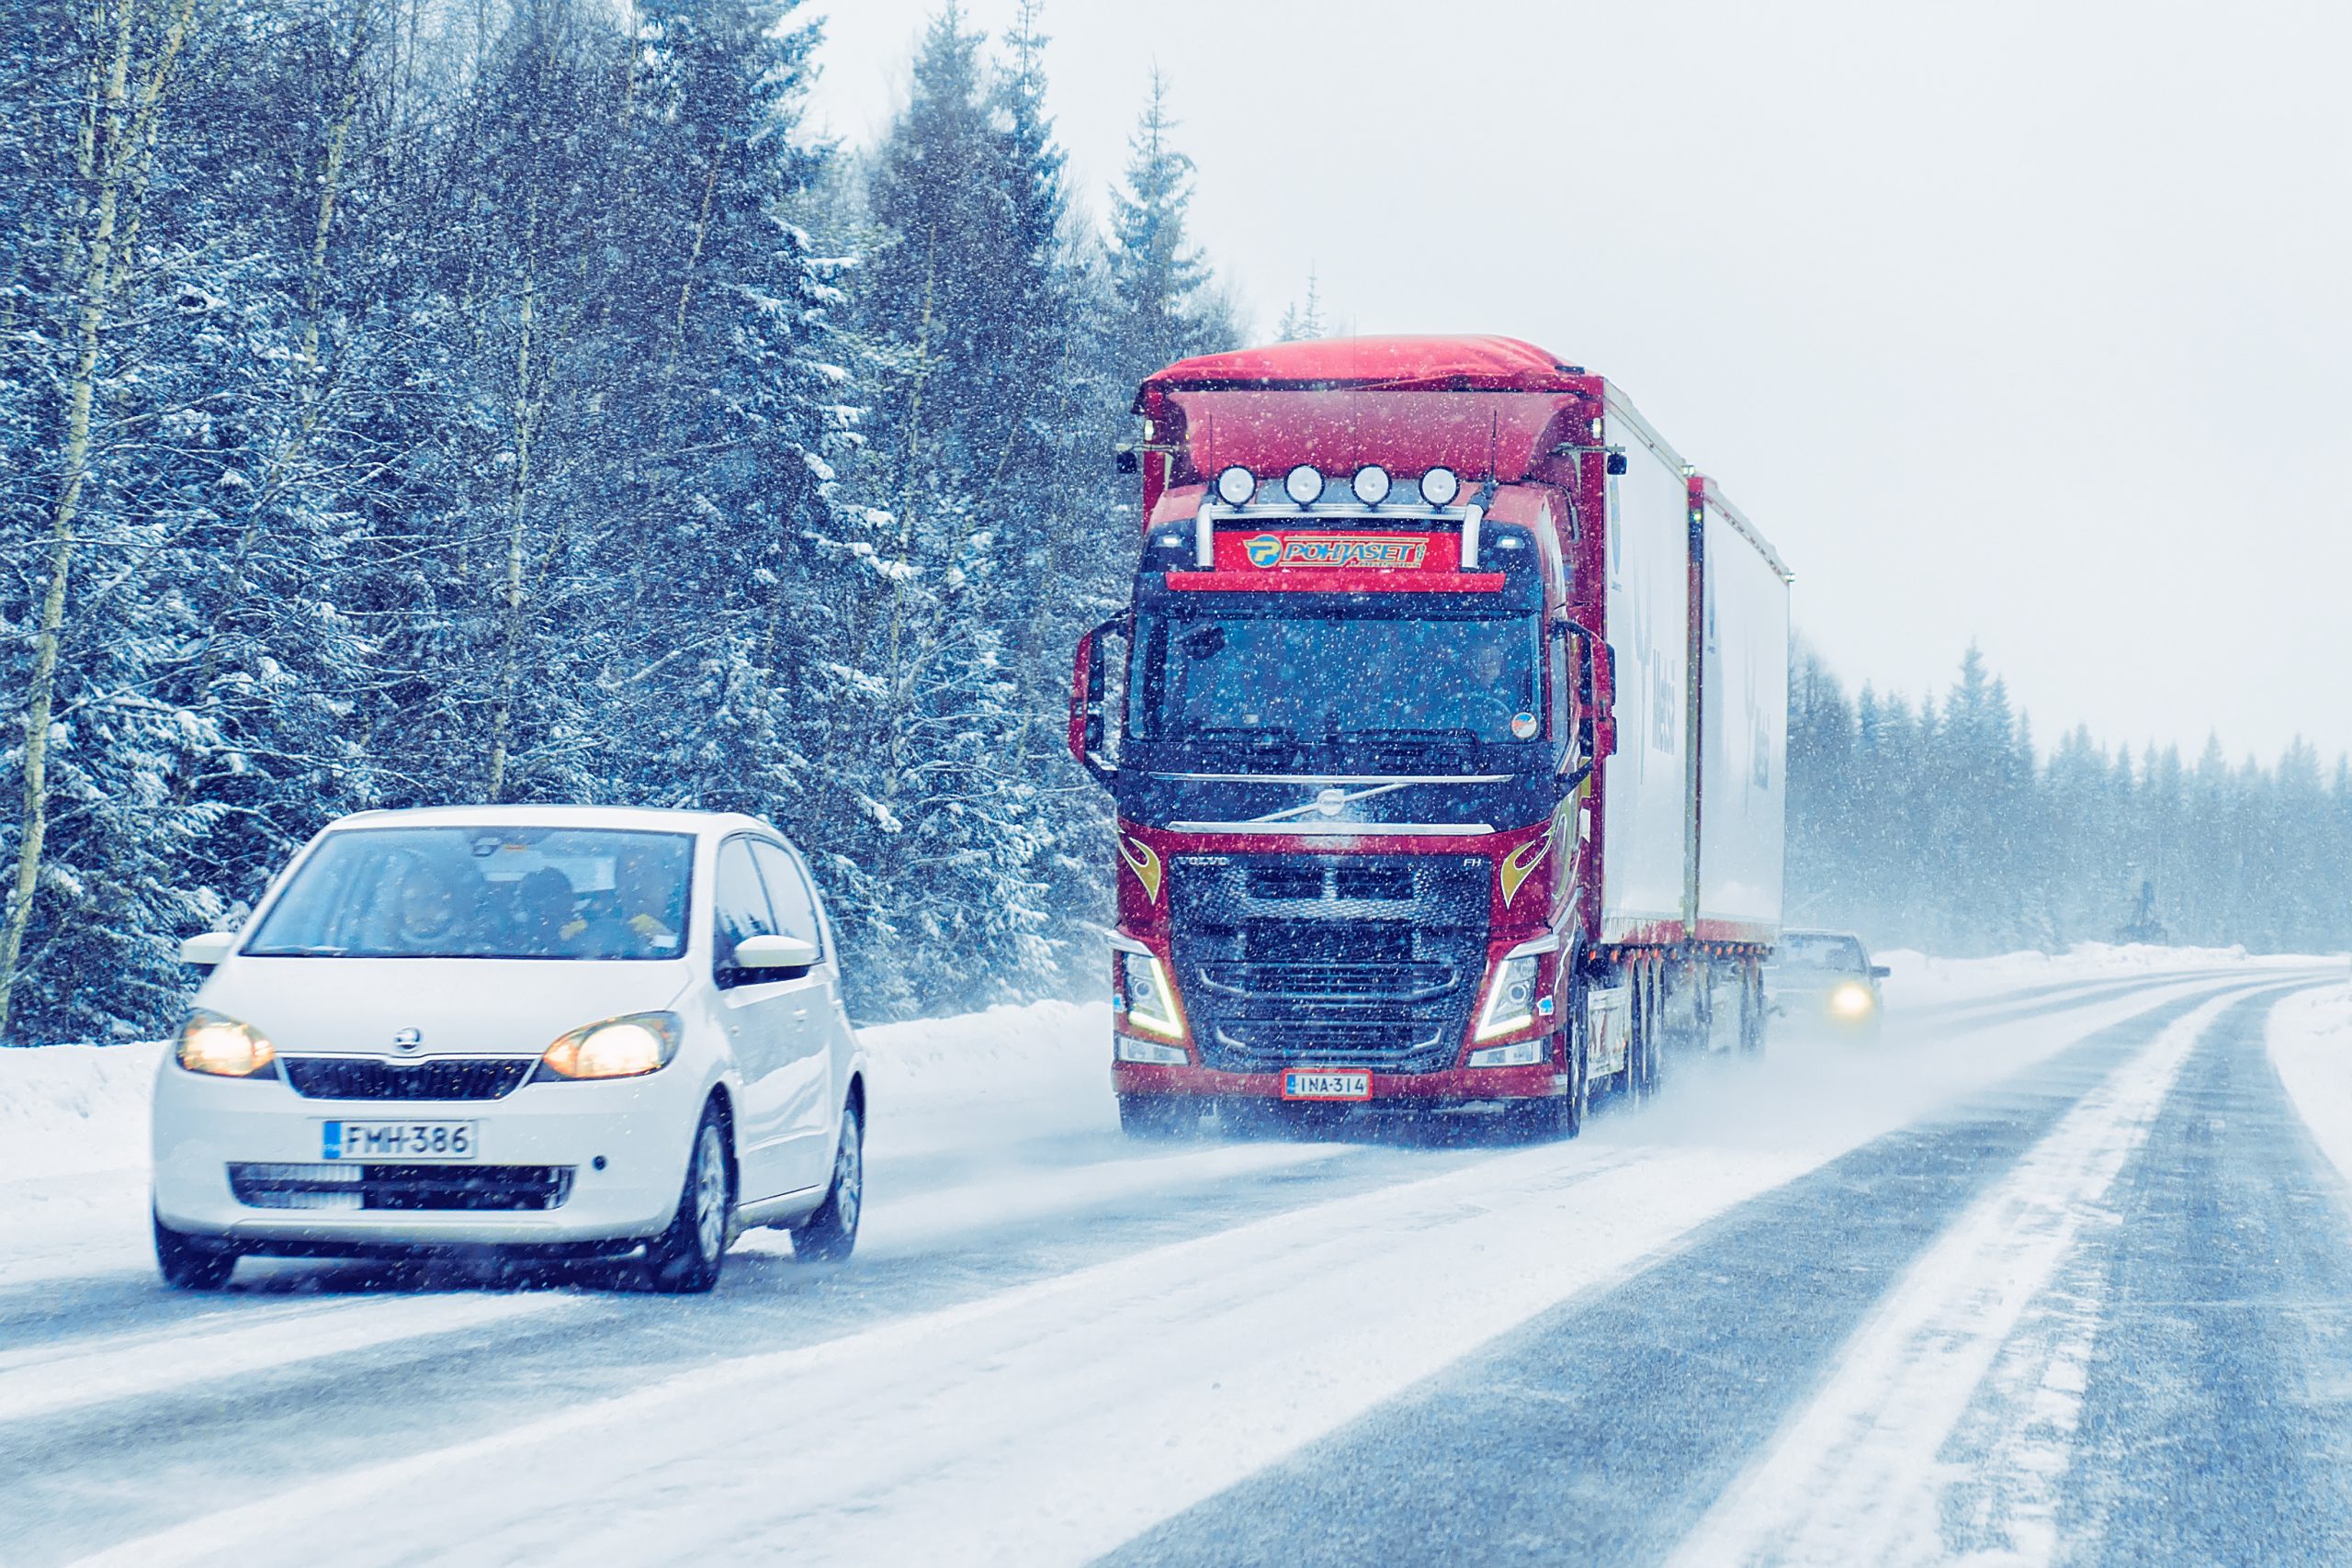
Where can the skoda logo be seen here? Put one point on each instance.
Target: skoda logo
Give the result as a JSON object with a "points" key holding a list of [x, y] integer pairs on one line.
{"points": [[409, 1039]]}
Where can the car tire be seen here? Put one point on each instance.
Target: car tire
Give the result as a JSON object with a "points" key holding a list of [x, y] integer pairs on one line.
{"points": [[829, 1234], [685, 1259], [1156, 1118], [190, 1263]]}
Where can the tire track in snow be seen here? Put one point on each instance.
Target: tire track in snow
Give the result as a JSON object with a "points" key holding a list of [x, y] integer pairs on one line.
{"points": [[1856, 1475]]}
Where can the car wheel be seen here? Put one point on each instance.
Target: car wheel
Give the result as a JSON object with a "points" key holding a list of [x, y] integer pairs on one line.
{"points": [[685, 1258], [831, 1234], [189, 1263], [1158, 1117]]}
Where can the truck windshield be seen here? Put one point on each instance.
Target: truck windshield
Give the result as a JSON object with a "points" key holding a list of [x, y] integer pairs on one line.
{"points": [[1206, 676]]}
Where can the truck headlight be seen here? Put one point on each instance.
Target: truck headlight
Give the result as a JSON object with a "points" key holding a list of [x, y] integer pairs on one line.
{"points": [[223, 1047], [1511, 999], [1128, 1048], [1525, 1054], [1850, 1001], [1149, 1000], [628, 1047]]}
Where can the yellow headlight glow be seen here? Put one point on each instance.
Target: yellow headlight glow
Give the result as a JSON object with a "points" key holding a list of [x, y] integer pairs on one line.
{"points": [[616, 1048], [1851, 1001], [223, 1047]]}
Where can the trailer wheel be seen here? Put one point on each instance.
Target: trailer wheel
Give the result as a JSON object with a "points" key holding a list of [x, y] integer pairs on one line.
{"points": [[1642, 1050], [1156, 1118]]}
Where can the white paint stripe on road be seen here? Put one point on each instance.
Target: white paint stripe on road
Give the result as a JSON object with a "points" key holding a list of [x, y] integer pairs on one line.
{"points": [[42, 1382], [1051, 1422], [1854, 1476]]}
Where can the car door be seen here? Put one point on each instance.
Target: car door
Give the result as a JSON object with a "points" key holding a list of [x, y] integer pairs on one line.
{"points": [[757, 1008], [816, 1048]]}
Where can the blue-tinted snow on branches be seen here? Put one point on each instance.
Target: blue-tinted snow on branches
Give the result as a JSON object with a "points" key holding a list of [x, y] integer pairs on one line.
{"points": [[405, 403]]}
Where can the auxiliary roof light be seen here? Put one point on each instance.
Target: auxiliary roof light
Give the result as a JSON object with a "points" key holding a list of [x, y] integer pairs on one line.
{"points": [[1237, 486], [1371, 484], [1440, 486], [1303, 484]]}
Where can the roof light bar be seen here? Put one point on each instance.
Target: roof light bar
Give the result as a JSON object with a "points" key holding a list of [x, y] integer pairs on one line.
{"points": [[1440, 486], [1303, 484], [1371, 484], [1237, 486]]}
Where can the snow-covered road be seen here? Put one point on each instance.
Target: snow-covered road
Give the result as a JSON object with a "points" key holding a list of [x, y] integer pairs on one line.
{"points": [[2062, 1268]]}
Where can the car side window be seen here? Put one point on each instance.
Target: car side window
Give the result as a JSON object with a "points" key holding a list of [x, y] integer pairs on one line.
{"points": [[788, 891], [739, 909]]}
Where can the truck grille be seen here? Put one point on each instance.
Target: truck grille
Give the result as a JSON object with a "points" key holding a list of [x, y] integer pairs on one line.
{"points": [[334, 1185], [358, 1077], [1329, 960]]}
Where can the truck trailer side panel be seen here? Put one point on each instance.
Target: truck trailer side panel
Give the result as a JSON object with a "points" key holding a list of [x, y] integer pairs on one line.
{"points": [[1743, 704], [1646, 785]]}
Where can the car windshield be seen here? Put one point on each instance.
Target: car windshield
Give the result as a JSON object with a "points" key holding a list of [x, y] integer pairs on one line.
{"points": [[1202, 675], [1799, 950], [504, 892]]}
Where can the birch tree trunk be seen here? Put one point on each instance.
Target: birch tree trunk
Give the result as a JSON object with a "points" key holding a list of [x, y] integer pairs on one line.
{"points": [[116, 154]]}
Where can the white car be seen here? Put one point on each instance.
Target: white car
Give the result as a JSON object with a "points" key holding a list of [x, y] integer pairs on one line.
{"points": [[573, 1029]]}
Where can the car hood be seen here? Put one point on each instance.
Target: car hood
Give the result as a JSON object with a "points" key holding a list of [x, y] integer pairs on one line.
{"points": [[461, 1006], [1814, 981]]}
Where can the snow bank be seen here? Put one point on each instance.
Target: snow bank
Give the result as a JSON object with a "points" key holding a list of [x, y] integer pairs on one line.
{"points": [[72, 1109], [1921, 981], [2310, 1044]]}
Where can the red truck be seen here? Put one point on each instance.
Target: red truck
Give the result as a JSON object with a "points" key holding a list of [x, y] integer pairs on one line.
{"points": [[1446, 725]]}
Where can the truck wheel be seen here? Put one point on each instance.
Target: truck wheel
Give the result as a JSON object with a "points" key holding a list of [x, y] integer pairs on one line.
{"points": [[1156, 1118], [685, 1258], [831, 1234], [1751, 1009], [1642, 1050], [188, 1263]]}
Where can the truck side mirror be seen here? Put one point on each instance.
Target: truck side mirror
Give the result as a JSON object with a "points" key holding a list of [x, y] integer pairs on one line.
{"points": [[1086, 703], [1605, 700], [1126, 460]]}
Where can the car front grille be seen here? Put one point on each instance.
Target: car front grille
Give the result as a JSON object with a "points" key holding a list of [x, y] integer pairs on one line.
{"points": [[1329, 960], [446, 1078], [334, 1185]]}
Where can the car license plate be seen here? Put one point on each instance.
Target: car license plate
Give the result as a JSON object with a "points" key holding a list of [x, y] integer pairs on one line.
{"points": [[403, 1142], [1315, 1084]]}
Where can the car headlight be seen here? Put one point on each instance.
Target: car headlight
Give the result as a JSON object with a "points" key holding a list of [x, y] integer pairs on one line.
{"points": [[1510, 1000], [627, 1047], [1149, 998], [1850, 1001], [223, 1047]]}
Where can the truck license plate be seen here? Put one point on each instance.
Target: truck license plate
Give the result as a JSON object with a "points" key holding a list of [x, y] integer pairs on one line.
{"points": [[1308, 1083], [408, 1143]]}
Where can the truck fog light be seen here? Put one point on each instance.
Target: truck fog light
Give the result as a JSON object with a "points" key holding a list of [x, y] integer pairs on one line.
{"points": [[1440, 486], [1305, 484], [1128, 1048], [1237, 486], [1371, 484], [1526, 1054]]}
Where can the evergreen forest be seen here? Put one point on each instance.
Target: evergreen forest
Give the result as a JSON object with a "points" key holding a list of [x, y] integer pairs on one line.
{"points": [[407, 401]]}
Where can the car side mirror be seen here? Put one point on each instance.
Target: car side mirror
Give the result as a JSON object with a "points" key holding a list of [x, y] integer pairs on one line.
{"points": [[1880, 971], [209, 950], [774, 951]]}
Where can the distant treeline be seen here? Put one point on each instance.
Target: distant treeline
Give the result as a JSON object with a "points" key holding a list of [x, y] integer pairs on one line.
{"points": [[1937, 826], [406, 402]]}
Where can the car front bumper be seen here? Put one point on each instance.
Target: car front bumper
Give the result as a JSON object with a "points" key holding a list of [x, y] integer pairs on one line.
{"points": [[640, 1128]]}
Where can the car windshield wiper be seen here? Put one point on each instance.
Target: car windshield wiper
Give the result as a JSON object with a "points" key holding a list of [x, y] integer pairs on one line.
{"points": [[318, 951]]}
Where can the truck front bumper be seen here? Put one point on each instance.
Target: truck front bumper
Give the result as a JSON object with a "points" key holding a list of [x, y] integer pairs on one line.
{"points": [[1393, 1091]]}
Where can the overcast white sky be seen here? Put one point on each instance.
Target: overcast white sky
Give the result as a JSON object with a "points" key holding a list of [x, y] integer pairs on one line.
{"points": [[2025, 322]]}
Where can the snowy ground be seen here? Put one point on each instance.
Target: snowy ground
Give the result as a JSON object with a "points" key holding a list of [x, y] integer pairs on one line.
{"points": [[2055, 1270]]}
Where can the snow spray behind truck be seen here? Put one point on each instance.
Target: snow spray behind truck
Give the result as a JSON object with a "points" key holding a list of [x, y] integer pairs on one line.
{"points": [[1446, 727]]}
